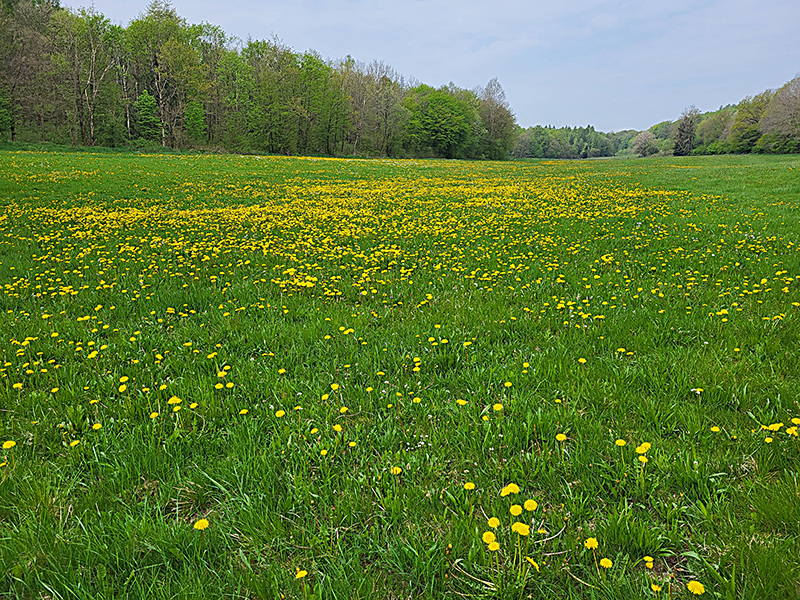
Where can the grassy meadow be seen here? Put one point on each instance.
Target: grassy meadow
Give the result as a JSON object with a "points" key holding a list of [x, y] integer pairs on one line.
{"points": [[265, 377]]}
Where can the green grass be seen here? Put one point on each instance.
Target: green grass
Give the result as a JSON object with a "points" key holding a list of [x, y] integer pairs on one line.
{"points": [[637, 300]]}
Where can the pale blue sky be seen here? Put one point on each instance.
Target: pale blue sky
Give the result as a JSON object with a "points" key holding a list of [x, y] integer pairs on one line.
{"points": [[614, 64]]}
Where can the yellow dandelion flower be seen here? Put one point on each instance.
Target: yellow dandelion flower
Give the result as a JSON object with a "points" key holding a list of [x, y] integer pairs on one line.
{"points": [[396, 470], [523, 530], [515, 510], [300, 574], [493, 522], [97, 426], [696, 588], [494, 546], [606, 563], [201, 524], [561, 437], [488, 537], [591, 543], [530, 505], [9, 444], [533, 563], [620, 443], [469, 486], [279, 413], [498, 407]]}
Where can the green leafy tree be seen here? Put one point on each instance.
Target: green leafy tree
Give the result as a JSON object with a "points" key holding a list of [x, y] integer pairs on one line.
{"points": [[745, 130], [195, 121], [148, 125]]}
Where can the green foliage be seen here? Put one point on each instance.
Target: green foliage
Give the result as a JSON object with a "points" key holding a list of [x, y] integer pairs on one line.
{"points": [[6, 116], [745, 131], [195, 119], [569, 142], [148, 125]]}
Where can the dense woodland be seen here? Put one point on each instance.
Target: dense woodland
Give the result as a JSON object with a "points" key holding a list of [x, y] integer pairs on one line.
{"points": [[74, 77]]}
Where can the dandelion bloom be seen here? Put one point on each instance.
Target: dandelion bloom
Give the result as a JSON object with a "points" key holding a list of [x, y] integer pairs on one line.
{"points": [[493, 522], [469, 486], [655, 587], [97, 426], [461, 402], [532, 562], [643, 459], [523, 529], [591, 543], [300, 574], [153, 415], [334, 386], [488, 537], [343, 410], [396, 470], [715, 429], [280, 413], [323, 452], [516, 510], [511, 488], [244, 411], [696, 588], [498, 407], [582, 361], [530, 505], [201, 524], [337, 427], [9, 444], [561, 437], [620, 443], [352, 444], [494, 546], [74, 443], [606, 563], [644, 447]]}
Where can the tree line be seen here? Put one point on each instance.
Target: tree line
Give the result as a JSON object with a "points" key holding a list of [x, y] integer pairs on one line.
{"points": [[73, 77], [767, 123]]}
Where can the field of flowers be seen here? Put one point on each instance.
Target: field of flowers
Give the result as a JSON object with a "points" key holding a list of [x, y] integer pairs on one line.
{"points": [[264, 377]]}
